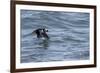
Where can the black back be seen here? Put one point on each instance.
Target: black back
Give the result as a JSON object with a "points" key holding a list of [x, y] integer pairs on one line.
{"points": [[41, 33]]}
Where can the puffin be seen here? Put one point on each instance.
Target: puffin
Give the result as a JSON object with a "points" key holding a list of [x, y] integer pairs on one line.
{"points": [[41, 33]]}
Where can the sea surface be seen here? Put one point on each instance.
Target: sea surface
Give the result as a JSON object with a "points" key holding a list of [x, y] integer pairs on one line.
{"points": [[68, 32]]}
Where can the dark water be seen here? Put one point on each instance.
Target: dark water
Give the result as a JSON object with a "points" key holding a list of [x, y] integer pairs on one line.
{"points": [[68, 32]]}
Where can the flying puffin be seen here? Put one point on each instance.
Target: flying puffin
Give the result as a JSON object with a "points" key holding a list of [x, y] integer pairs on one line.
{"points": [[41, 33]]}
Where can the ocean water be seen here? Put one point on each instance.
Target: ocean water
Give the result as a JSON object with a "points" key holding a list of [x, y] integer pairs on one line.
{"points": [[68, 32]]}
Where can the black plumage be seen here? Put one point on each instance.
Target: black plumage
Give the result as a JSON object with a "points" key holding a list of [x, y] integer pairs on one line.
{"points": [[41, 33]]}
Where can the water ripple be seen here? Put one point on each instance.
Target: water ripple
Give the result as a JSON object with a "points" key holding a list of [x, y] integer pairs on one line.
{"points": [[68, 32]]}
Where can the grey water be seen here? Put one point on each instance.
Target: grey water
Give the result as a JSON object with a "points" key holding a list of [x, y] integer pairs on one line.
{"points": [[68, 32]]}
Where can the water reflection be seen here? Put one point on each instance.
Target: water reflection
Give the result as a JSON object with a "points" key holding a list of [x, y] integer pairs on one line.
{"points": [[40, 53], [44, 44]]}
